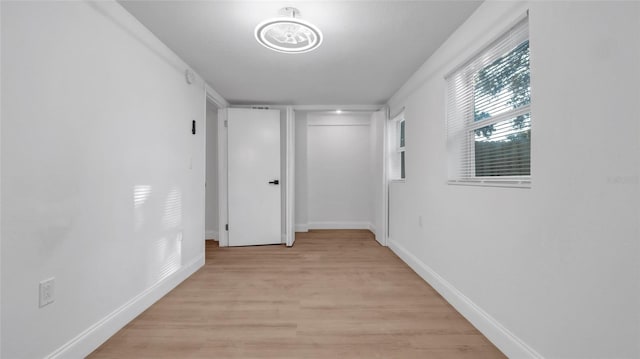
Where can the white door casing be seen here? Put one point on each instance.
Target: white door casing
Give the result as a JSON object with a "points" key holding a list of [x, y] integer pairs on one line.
{"points": [[380, 223], [254, 215], [290, 178]]}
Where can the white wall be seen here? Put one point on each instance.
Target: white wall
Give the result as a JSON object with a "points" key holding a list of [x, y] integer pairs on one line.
{"points": [[211, 199], [552, 270], [102, 180], [339, 183]]}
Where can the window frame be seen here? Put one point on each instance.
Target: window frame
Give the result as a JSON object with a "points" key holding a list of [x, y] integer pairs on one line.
{"points": [[401, 142], [466, 130], [397, 172]]}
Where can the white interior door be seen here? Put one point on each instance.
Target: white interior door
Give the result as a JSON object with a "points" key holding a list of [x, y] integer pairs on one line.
{"points": [[254, 177]]}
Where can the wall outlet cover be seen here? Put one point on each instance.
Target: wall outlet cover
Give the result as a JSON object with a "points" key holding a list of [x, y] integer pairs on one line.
{"points": [[47, 291]]}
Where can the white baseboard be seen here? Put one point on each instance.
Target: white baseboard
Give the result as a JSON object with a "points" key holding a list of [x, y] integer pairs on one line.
{"points": [[501, 337], [302, 227], [87, 341], [339, 225], [378, 238], [209, 234]]}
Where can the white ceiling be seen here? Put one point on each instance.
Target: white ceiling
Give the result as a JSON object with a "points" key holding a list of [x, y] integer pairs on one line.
{"points": [[370, 48]]}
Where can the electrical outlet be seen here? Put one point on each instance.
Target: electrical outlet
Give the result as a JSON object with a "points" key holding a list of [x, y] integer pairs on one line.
{"points": [[47, 291]]}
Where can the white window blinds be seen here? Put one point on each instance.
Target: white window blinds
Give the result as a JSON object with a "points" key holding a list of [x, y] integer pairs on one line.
{"points": [[488, 113]]}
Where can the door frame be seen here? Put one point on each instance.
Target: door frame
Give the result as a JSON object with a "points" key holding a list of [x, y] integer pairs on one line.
{"points": [[209, 233], [290, 177], [382, 232], [288, 183], [222, 104], [384, 176], [289, 203]]}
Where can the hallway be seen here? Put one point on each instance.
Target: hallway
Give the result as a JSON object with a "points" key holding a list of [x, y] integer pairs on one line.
{"points": [[335, 294]]}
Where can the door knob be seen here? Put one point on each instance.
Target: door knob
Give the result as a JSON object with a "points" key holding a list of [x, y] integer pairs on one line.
{"points": [[276, 182]]}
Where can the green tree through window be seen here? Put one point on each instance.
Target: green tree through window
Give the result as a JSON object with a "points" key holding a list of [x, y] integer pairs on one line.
{"points": [[500, 87], [489, 113]]}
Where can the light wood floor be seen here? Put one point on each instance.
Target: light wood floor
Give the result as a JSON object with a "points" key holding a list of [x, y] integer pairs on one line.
{"points": [[335, 294]]}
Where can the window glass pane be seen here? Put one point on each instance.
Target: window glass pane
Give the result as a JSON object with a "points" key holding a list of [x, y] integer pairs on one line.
{"points": [[402, 133], [504, 148], [503, 85], [402, 164], [488, 113]]}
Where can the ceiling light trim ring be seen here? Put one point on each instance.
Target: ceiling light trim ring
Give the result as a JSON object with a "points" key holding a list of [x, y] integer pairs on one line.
{"points": [[269, 34]]}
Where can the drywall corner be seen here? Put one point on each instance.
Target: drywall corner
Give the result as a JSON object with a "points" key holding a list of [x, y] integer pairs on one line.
{"points": [[501, 337], [87, 341]]}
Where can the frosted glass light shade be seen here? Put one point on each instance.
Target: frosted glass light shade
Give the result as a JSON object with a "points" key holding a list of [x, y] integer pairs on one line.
{"points": [[288, 35]]}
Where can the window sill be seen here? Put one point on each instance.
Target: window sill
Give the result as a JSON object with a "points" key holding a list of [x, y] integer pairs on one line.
{"points": [[506, 183]]}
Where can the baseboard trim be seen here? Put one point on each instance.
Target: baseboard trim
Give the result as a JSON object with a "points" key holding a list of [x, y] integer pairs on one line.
{"points": [[213, 235], [377, 237], [90, 339], [302, 228], [339, 225], [501, 337]]}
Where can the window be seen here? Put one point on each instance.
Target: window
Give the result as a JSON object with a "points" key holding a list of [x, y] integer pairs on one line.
{"points": [[489, 114], [398, 149]]}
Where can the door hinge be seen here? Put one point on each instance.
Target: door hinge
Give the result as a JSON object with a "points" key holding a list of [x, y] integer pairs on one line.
{"points": [[226, 227], [226, 123]]}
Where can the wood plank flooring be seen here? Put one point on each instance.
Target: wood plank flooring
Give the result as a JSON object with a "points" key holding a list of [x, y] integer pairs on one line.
{"points": [[335, 294]]}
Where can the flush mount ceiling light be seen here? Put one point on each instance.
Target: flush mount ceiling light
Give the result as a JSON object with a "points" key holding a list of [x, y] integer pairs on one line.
{"points": [[288, 34]]}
